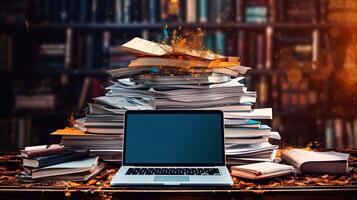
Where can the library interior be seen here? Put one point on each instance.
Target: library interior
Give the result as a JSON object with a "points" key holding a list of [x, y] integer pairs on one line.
{"points": [[284, 73]]}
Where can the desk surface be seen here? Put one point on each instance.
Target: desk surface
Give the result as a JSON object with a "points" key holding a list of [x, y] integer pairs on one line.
{"points": [[312, 186]]}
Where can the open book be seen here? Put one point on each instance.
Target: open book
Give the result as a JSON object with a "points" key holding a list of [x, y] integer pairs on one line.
{"points": [[261, 170], [318, 162], [149, 48]]}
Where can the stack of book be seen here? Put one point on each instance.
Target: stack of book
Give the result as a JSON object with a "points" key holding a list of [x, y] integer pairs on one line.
{"points": [[107, 146], [48, 163], [176, 77]]}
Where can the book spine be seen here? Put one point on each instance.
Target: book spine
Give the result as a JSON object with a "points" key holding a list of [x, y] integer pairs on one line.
{"points": [[145, 11], [191, 10], [260, 51], [315, 46], [218, 11], [241, 47], [263, 92], [152, 11], [94, 11], [163, 10], [338, 127], [220, 42], [63, 11], [84, 92], [314, 11], [349, 134], [118, 11], [83, 10], [239, 11], [126, 11], [80, 51], [281, 14], [323, 11], [203, 11], [182, 11], [272, 11], [89, 51], [68, 55], [269, 47]]}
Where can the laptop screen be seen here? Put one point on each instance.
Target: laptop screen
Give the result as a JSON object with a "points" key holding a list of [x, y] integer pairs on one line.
{"points": [[182, 138]]}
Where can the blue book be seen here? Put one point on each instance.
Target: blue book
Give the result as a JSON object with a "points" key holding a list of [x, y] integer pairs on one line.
{"points": [[220, 43], [84, 8], [45, 161], [152, 11], [202, 11]]}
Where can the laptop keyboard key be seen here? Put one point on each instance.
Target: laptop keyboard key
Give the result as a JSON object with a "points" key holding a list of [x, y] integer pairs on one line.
{"points": [[172, 171]]}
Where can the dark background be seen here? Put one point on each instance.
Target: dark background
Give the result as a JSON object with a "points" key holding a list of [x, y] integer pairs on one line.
{"points": [[303, 55]]}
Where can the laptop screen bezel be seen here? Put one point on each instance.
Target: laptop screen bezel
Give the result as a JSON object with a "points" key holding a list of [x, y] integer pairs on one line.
{"points": [[218, 112]]}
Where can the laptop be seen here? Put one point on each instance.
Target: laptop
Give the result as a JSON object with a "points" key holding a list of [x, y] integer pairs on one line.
{"points": [[173, 147]]}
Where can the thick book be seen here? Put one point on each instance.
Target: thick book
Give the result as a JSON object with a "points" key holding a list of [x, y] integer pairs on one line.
{"points": [[81, 177], [316, 162], [261, 170], [45, 161], [73, 167], [42, 150]]}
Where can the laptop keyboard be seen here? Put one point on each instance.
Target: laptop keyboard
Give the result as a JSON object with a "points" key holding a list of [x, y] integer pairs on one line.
{"points": [[172, 171]]}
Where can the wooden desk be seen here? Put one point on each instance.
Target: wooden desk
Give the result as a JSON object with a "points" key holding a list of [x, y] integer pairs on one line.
{"points": [[291, 193], [288, 187]]}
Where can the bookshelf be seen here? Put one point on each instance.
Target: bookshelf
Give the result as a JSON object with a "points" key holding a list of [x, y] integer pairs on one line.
{"points": [[260, 31]]}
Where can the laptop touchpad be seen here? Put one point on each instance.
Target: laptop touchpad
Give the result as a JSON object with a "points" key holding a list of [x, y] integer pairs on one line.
{"points": [[171, 178]]}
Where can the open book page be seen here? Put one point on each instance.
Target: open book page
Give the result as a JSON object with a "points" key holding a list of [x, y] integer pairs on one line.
{"points": [[143, 47]]}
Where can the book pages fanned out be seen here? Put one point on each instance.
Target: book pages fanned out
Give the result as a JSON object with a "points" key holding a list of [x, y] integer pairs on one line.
{"points": [[144, 47]]}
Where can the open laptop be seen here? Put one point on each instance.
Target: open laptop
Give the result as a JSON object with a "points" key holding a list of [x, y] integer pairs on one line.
{"points": [[171, 147]]}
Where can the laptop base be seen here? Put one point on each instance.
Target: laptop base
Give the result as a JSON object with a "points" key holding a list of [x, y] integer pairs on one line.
{"points": [[121, 179]]}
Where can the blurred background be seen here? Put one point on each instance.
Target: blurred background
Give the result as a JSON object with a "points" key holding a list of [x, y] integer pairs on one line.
{"points": [[53, 56]]}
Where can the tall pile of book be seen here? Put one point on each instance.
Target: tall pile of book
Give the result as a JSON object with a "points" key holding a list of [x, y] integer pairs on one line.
{"points": [[181, 77]]}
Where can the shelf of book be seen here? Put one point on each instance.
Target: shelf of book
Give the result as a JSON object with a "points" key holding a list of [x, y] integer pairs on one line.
{"points": [[71, 72], [257, 31], [156, 26]]}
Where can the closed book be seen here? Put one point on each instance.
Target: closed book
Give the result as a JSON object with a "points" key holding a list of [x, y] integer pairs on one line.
{"points": [[83, 176], [45, 161], [88, 164], [43, 150], [316, 162], [261, 170]]}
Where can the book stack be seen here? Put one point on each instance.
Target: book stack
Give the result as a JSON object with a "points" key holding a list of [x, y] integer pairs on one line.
{"points": [[93, 139], [185, 77], [48, 163]]}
